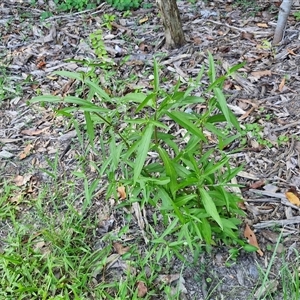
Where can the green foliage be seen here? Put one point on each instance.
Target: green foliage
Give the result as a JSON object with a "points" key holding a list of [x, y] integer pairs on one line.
{"points": [[124, 4], [45, 15], [69, 5], [49, 252], [8, 88], [297, 15], [255, 131], [96, 39], [188, 180], [107, 20]]}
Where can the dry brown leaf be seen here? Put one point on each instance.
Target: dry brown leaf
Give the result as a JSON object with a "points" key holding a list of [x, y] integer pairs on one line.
{"points": [[120, 249], [292, 198], [17, 198], [247, 35], [262, 25], [143, 20], [142, 289], [33, 132], [291, 52], [245, 115], [20, 180], [242, 205], [257, 184], [168, 279], [250, 236], [197, 40], [258, 74], [145, 47], [25, 152], [281, 85], [121, 192]]}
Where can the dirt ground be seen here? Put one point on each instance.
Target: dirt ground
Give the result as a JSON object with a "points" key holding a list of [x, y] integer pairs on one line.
{"points": [[265, 92]]}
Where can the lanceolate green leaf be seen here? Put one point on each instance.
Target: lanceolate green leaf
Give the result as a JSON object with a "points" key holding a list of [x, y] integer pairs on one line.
{"points": [[79, 101], [182, 119], [156, 76], [212, 70], [168, 203], [142, 151], [46, 98], [145, 102], [216, 166], [89, 127], [206, 230], [98, 90], [68, 74], [210, 206], [170, 170], [223, 104], [134, 97]]}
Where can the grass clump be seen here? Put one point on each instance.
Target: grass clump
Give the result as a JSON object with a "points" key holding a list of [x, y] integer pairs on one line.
{"points": [[56, 253]]}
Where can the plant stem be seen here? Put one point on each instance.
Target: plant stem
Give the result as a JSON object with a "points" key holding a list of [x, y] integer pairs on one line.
{"points": [[115, 130]]}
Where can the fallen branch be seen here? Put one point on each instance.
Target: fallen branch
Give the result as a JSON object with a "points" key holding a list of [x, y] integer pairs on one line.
{"points": [[282, 223]]}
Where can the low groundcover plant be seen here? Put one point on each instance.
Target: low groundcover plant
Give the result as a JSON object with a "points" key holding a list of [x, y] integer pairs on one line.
{"points": [[188, 178]]}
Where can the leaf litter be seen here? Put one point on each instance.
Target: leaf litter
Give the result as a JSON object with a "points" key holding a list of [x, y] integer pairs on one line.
{"points": [[265, 91]]}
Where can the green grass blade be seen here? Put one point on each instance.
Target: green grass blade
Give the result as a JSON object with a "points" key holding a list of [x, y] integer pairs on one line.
{"points": [[211, 70], [68, 74], [89, 127], [156, 76], [145, 102], [46, 98]]}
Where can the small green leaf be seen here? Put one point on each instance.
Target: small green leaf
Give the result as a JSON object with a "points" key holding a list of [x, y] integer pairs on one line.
{"points": [[211, 70], [156, 76], [249, 248], [46, 98], [214, 130], [170, 170], [145, 102], [89, 127], [168, 204], [235, 68], [212, 168], [170, 228], [158, 181], [226, 141], [68, 74], [205, 230], [183, 120], [210, 206], [98, 90], [222, 102], [184, 200], [134, 97], [143, 148], [216, 118]]}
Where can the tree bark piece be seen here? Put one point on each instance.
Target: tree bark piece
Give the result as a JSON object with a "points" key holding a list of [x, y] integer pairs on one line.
{"points": [[172, 23], [284, 11]]}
